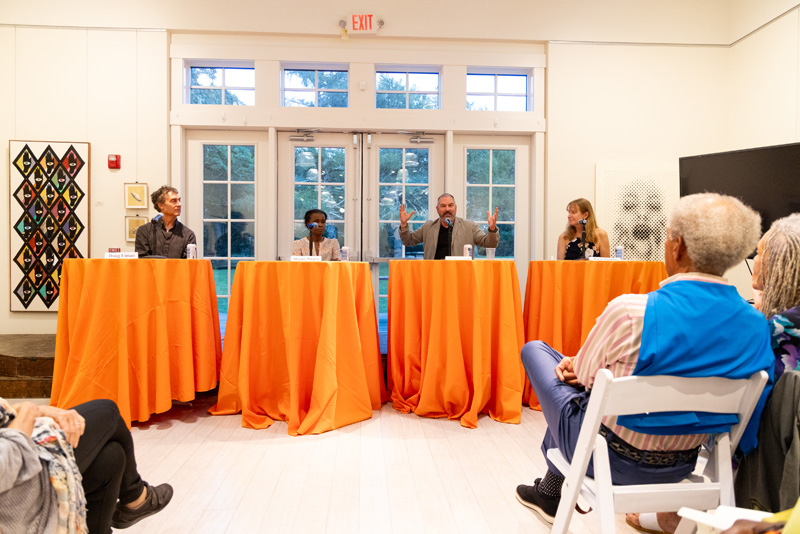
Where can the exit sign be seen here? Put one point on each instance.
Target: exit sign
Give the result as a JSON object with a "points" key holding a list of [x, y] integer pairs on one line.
{"points": [[364, 24]]}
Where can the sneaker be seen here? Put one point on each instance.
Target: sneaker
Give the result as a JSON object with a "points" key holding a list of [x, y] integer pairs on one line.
{"points": [[157, 498], [543, 505]]}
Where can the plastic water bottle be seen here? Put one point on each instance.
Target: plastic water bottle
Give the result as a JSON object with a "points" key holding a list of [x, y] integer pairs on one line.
{"points": [[619, 252], [468, 250], [191, 252], [345, 253]]}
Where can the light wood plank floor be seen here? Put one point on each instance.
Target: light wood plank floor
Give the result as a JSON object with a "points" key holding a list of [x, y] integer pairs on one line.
{"points": [[393, 473]]}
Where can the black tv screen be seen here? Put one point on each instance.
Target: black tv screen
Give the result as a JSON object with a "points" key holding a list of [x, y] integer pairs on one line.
{"points": [[767, 178]]}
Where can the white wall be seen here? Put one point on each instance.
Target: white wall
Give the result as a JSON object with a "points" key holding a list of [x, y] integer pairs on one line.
{"points": [[105, 87]]}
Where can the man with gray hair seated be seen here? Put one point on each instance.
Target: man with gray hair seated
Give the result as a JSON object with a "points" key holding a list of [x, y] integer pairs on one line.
{"points": [[447, 235], [696, 324], [164, 236]]}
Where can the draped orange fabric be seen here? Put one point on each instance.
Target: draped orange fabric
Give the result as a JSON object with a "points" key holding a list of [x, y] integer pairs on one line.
{"points": [[139, 332], [455, 334], [301, 346], [563, 299]]}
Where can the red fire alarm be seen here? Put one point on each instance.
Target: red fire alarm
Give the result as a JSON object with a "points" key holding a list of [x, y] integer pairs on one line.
{"points": [[114, 161]]}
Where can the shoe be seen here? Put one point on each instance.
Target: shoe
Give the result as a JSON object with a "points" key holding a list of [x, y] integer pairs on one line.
{"points": [[543, 505], [157, 498]]}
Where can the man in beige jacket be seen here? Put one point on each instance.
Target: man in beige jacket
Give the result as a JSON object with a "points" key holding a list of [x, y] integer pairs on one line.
{"points": [[447, 235]]}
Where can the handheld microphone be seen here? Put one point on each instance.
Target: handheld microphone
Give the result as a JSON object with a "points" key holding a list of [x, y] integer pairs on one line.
{"points": [[312, 226], [582, 221]]}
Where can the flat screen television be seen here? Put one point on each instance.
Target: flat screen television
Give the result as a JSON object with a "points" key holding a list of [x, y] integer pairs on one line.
{"points": [[767, 178]]}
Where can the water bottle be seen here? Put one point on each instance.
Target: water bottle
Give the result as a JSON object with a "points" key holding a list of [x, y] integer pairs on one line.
{"points": [[191, 252], [468, 251], [345, 253], [619, 251]]}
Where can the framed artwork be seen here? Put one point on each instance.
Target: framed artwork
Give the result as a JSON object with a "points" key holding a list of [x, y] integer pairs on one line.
{"points": [[634, 200], [136, 196], [132, 223], [48, 216]]}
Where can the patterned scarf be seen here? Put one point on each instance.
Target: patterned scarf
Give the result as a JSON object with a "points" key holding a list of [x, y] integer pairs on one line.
{"points": [[785, 330], [56, 452]]}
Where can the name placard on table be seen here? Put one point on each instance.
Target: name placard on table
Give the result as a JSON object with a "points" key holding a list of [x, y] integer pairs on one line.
{"points": [[306, 258], [121, 255]]}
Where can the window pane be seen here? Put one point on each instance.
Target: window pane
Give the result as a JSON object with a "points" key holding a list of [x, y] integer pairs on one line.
{"points": [[390, 245], [220, 268], [503, 167], [418, 81], [512, 103], [305, 160], [215, 201], [335, 230], [298, 79], [503, 199], [242, 242], [243, 164], [480, 103], [215, 240], [390, 81], [480, 83], [416, 165], [333, 165], [240, 97], [329, 99], [206, 96], [417, 200], [477, 166], [390, 101], [215, 162], [305, 198], [428, 101], [477, 203], [332, 201], [243, 201], [206, 77], [390, 202], [240, 77], [300, 230], [302, 99], [332, 79], [512, 83], [390, 165], [505, 249]]}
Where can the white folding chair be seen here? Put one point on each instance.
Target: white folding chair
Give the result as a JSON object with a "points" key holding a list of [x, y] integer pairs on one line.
{"points": [[647, 394]]}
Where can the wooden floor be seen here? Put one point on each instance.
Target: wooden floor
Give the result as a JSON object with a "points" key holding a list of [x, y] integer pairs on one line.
{"points": [[393, 473]]}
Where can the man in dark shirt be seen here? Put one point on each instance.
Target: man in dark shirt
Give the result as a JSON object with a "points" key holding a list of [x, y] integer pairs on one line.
{"points": [[164, 235]]}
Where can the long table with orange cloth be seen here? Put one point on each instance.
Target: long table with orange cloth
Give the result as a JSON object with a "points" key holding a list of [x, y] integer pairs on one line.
{"points": [[139, 332], [563, 299], [301, 346], [455, 334]]}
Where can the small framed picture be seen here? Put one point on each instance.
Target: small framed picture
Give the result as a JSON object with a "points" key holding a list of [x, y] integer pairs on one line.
{"points": [[136, 196], [132, 223]]}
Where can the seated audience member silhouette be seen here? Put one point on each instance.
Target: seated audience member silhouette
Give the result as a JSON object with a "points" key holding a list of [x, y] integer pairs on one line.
{"points": [[69, 470], [696, 324]]}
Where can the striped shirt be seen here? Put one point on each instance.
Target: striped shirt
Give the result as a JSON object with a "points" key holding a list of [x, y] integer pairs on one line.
{"points": [[614, 344]]}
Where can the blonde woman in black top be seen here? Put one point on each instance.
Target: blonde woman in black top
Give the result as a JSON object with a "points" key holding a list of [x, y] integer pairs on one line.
{"points": [[569, 243]]}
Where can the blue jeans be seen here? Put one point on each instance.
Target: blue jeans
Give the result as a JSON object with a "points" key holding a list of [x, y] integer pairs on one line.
{"points": [[564, 407]]}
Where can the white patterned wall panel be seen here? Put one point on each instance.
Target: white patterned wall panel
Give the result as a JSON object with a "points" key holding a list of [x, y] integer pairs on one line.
{"points": [[633, 201]]}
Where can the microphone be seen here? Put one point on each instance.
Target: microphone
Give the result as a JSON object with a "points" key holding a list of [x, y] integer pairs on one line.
{"points": [[449, 223], [582, 221], [312, 226]]}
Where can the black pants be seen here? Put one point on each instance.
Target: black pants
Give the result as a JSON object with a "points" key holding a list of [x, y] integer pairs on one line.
{"points": [[106, 461]]}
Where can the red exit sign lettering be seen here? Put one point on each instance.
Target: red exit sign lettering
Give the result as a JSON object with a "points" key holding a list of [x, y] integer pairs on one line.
{"points": [[364, 24]]}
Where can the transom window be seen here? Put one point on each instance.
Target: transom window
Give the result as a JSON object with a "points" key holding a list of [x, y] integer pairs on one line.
{"points": [[498, 92], [310, 88], [491, 181], [231, 86], [407, 90]]}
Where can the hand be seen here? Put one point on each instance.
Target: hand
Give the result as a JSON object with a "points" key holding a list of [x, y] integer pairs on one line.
{"points": [[27, 412], [492, 219], [745, 526], [404, 217], [70, 421], [566, 373]]}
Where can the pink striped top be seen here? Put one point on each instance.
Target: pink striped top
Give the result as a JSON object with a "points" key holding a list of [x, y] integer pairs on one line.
{"points": [[614, 344]]}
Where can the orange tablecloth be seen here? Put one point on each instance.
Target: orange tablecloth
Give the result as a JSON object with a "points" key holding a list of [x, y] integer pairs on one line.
{"points": [[563, 299], [455, 334], [301, 346], [139, 332]]}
